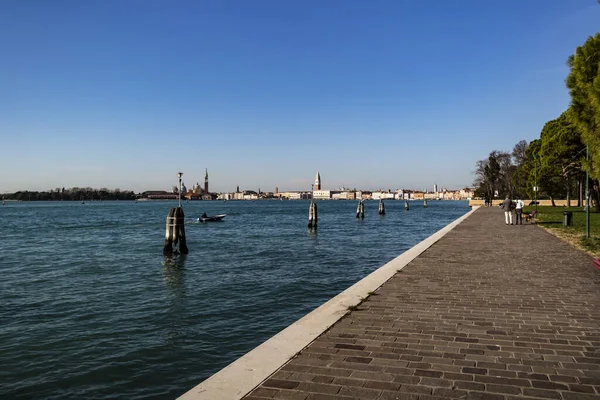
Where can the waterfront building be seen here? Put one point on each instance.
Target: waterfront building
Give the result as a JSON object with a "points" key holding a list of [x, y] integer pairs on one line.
{"points": [[467, 193], [349, 195], [191, 196], [415, 195], [383, 195], [196, 189], [449, 195], [159, 195], [266, 195], [321, 194]]}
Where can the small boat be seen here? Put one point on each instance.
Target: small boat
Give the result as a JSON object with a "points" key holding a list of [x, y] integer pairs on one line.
{"points": [[212, 218]]}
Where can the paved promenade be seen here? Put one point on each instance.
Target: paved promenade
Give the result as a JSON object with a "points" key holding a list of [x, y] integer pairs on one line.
{"points": [[489, 312]]}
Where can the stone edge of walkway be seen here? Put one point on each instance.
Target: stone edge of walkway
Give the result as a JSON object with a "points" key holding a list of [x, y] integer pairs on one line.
{"points": [[246, 373]]}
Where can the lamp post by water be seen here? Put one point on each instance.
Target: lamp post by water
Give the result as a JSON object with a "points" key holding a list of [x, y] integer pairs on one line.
{"points": [[179, 175]]}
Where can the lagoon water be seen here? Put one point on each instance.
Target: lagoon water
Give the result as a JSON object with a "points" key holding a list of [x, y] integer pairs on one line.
{"points": [[90, 308]]}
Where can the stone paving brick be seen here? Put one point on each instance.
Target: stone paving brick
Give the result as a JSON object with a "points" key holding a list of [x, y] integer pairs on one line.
{"points": [[489, 312], [361, 393], [264, 392], [397, 396], [544, 394], [469, 385], [580, 396], [290, 395], [318, 388]]}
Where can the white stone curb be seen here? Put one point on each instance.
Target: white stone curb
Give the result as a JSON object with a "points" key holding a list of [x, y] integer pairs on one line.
{"points": [[246, 373]]}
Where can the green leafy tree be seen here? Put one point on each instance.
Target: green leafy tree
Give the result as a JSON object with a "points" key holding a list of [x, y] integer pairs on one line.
{"points": [[561, 155], [584, 86]]}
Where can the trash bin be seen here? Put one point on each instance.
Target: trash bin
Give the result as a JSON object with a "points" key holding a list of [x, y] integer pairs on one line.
{"points": [[568, 218]]}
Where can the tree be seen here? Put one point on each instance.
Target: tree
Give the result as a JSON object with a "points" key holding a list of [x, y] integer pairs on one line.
{"points": [[519, 153], [519, 178], [584, 86], [507, 170], [492, 175], [530, 168], [561, 154]]}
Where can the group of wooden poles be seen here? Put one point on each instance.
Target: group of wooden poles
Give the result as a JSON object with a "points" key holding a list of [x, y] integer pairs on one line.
{"points": [[175, 228], [360, 211]]}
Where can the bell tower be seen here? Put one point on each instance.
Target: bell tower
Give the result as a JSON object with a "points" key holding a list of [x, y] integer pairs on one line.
{"points": [[318, 181], [206, 182]]}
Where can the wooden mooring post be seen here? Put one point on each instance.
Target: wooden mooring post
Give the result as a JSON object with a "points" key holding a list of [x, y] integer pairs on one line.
{"points": [[360, 210], [175, 231], [381, 207], [312, 215], [406, 205], [425, 203]]}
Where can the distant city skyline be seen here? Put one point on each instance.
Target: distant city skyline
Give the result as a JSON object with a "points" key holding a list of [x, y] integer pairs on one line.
{"points": [[204, 182], [388, 94]]}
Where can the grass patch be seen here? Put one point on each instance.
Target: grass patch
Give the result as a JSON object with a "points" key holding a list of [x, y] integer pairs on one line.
{"points": [[362, 300], [551, 219]]}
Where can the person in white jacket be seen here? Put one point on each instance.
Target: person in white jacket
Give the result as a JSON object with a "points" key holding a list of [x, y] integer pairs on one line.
{"points": [[519, 211]]}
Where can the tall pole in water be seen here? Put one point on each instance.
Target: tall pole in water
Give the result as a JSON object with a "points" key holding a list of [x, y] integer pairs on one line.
{"points": [[175, 228], [587, 193], [179, 175]]}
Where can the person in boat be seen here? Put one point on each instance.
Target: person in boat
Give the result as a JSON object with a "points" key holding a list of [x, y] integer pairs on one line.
{"points": [[204, 215]]}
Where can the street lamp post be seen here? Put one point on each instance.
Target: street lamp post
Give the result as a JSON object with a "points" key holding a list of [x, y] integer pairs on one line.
{"points": [[179, 175], [535, 187], [587, 193]]}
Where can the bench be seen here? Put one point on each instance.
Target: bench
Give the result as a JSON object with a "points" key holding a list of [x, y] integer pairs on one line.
{"points": [[530, 216], [597, 263]]}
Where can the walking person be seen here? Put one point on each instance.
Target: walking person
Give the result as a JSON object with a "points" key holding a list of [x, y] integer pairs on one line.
{"points": [[507, 204], [519, 211]]}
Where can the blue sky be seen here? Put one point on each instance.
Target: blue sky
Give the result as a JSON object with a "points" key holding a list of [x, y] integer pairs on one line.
{"points": [[373, 94]]}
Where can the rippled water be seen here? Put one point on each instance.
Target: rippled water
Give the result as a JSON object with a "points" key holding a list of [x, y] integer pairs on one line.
{"points": [[89, 307]]}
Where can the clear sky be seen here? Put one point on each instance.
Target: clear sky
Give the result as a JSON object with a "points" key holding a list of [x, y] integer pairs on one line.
{"points": [[373, 94]]}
